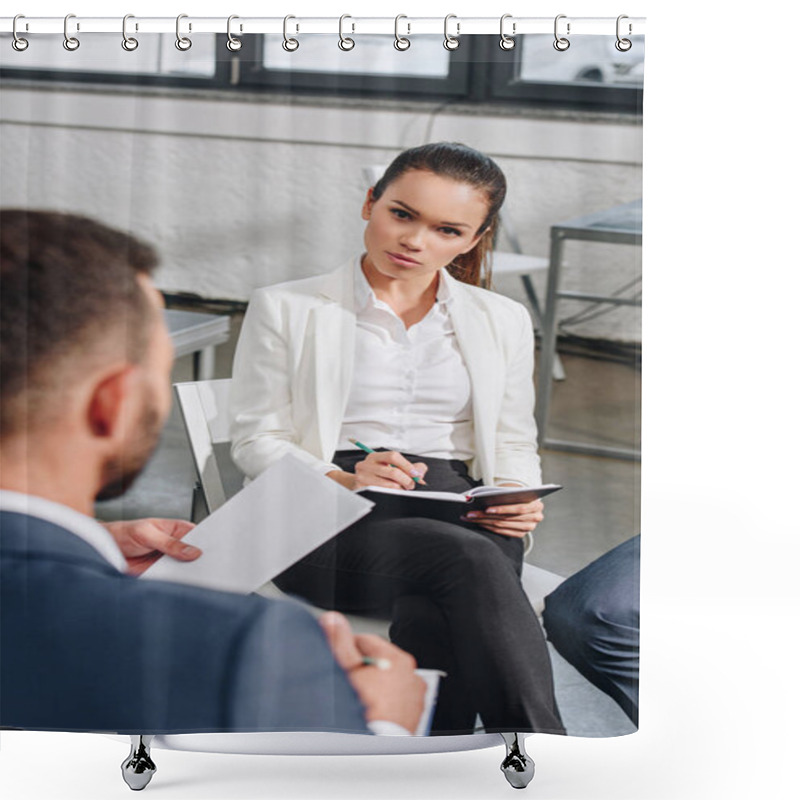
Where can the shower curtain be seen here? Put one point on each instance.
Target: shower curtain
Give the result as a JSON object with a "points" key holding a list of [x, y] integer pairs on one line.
{"points": [[246, 159]]}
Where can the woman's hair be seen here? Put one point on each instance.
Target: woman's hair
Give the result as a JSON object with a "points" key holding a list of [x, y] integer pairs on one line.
{"points": [[463, 164]]}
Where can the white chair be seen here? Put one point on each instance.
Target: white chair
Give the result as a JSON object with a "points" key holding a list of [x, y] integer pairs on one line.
{"points": [[505, 262], [204, 406]]}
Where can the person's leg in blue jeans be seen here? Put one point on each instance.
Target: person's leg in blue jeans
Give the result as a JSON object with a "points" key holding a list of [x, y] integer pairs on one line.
{"points": [[592, 619]]}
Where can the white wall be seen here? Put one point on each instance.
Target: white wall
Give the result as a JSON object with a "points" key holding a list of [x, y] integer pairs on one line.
{"points": [[243, 191]]}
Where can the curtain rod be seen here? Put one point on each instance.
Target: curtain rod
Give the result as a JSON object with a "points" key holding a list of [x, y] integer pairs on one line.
{"points": [[297, 25]]}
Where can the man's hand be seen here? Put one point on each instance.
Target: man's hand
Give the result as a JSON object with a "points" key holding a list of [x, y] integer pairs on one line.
{"points": [[395, 694], [143, 541]]}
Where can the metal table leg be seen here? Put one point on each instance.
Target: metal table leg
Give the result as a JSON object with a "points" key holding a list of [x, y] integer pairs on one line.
{"points": [[204, 364], [530, 291], [548, 352]]}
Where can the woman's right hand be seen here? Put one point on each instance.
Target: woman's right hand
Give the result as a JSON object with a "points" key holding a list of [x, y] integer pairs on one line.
{"points": [[388, 468]]}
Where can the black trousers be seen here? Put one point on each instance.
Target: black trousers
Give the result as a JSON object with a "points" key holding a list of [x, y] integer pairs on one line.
{"points": [[455, 601]]}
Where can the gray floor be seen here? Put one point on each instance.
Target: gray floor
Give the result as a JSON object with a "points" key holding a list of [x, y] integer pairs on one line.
{"points": [[598, 508]]}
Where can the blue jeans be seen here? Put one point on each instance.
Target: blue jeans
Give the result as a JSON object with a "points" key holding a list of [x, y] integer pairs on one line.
{"points": [[592, 619]]}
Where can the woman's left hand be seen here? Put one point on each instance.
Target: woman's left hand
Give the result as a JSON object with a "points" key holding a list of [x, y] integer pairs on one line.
{"points": [[514, 520]]}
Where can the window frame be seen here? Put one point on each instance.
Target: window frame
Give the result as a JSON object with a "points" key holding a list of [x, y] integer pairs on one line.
{"points": [[259, 78], [117, 78], [481, 73], [505, 85]]}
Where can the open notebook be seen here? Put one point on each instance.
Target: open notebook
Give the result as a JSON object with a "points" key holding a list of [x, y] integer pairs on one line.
{"points": [[450, 506]]}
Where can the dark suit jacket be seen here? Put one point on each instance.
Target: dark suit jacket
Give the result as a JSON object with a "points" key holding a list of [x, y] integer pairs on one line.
{"points": [[86, 648]]}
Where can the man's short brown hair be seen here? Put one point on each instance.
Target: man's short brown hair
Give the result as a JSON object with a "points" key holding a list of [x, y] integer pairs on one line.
{"points": [[68, 285]]}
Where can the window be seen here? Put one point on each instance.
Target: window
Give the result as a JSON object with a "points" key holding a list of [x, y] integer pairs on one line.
{"points": [[590, 75], [100, 57], [372, 67]]}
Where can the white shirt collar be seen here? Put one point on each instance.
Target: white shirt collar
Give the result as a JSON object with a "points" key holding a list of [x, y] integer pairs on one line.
{"points": [[444, 295], [91, 531], [364, 294]]}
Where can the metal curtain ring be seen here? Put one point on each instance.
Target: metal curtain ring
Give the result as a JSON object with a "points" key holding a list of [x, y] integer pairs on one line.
{"points": [[18, 43], [561, 43], [289, 45], [233, 44], [623, 45], [507, 42], [400, 42], [451, 42], [345, 42], [71, 43], [183, 43], [128, 42]]}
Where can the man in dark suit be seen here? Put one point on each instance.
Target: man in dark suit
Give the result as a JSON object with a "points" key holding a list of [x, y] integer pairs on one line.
{"points": [[85, 646]]}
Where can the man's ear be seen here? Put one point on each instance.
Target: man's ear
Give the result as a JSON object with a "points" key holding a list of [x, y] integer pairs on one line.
{"points": [[111, 394]]}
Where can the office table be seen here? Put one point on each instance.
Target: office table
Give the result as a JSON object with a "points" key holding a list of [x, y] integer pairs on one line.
{"points": [[198, 334], [619, 225]]}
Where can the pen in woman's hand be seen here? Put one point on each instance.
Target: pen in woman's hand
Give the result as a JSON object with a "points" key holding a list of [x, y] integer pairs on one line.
{"points": [[362, 446]]}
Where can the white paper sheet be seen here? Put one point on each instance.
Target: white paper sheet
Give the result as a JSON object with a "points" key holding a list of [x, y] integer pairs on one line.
{"points": [[278, 518]]}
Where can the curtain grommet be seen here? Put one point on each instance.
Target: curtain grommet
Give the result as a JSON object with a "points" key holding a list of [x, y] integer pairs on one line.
{"points": [[346, 44], [183, 43], [623, 45], [507, 42], [128, 42], [233, 44], [451, 42], [289, 44], [401, 43], [561, 43], [71, 43], [18, 43]]}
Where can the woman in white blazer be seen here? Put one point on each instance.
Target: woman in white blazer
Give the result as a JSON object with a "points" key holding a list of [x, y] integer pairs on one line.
{"points": [[399, 348]]}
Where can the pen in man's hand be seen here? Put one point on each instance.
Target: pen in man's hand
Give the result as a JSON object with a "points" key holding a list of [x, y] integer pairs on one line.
{"points": [[366, 449], [378, 663]]}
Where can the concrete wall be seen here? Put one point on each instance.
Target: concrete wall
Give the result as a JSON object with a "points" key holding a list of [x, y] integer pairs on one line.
{"points": [[240, 191]]}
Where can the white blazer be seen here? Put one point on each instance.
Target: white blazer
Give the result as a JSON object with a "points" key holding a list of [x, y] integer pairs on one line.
{"points": [[294, 365]]}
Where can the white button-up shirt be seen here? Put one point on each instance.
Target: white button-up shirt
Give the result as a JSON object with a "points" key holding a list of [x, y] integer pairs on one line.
{"points": [[411, 391]]}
